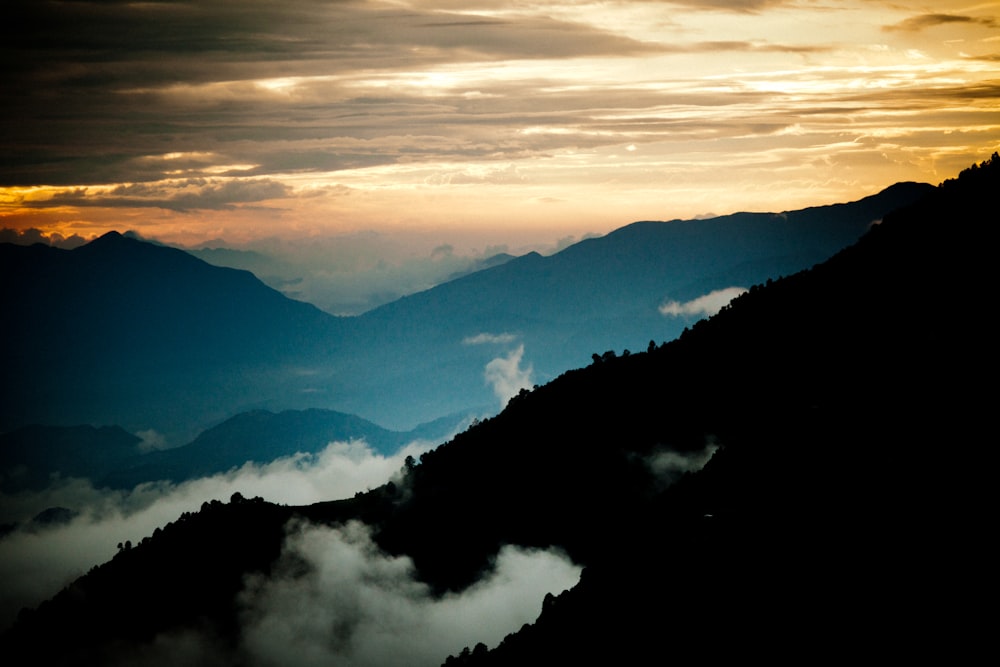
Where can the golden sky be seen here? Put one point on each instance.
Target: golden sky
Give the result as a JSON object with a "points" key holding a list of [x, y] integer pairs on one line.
{"points": [[484, 121]]}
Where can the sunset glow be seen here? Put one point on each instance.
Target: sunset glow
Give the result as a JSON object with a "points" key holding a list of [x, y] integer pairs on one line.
{"points": [[516, 123]]}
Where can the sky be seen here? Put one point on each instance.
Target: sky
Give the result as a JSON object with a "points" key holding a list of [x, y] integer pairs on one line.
{"points": [[467, 127], [353, 151]]}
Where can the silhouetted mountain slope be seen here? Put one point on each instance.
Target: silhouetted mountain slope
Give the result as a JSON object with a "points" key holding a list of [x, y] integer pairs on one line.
{"points": [[847, 509], [846, 512]]}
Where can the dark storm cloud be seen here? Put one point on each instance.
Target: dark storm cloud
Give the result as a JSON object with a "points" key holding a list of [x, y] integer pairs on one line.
{"points": [[117, 46], [185, 196], [96, 92]]}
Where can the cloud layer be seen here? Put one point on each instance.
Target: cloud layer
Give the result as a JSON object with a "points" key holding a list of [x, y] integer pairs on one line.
{"points": [[35, 563], [359, 606], [333, 598]]}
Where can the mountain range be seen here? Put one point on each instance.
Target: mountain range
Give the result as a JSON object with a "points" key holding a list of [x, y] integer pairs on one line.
{"points": [[31, 457], [125, 332], [844, 510]]}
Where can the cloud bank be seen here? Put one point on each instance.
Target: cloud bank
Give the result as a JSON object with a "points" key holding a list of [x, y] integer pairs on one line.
{"points": [[359, 606], [703, 306], [35, 561]]}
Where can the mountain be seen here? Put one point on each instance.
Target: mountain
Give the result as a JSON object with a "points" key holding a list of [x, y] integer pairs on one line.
{"points": [[32, 456], [124, 332], [262, 436], [596, 295], [845, 510]]}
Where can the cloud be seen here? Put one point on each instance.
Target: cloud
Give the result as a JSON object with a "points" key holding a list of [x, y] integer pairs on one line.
{"points": [[490, 339], [35, 564], [706, 305], [480, 176], [152, 441], [668, 466], [356, 605], [348, 274], [925, 21], [183, 195], [507, 377], [742, 6], [32, 236]]}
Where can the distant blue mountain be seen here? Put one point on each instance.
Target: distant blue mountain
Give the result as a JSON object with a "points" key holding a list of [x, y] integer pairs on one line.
{"points": [[125, 332], [32, 456], [599, 294]]}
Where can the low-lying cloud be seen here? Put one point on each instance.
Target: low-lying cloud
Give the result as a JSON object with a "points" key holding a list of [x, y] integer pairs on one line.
{"points": [[359, 606], [668, 465], [36, 560], [703, 306]]}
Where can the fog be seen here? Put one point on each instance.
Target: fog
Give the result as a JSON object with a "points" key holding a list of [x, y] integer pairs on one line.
{"points": [[334, 597], [359, 606]]}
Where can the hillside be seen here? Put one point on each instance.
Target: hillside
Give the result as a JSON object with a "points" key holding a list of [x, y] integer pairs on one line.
{"points": [[845, 508]]}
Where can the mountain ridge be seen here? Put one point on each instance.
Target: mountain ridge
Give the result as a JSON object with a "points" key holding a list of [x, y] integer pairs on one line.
{"points": [[121, 331], [824, 524]]}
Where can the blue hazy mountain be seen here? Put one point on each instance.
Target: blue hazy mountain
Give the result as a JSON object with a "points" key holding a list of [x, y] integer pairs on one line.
{"points": [[121, 331], [31, 456], [599, 294]]}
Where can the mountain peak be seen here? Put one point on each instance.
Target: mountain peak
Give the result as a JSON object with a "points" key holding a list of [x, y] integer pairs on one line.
{"points": [[113, 236]]}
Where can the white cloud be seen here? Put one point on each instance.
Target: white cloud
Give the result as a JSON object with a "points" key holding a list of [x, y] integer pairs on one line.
{"points": [[489, 339], [359, 606], [35, 564], [669, 465], [706, 305], [507, 377]]}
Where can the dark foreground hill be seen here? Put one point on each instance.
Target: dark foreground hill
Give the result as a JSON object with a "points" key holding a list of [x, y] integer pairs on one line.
{"points": [[845, 512]]}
